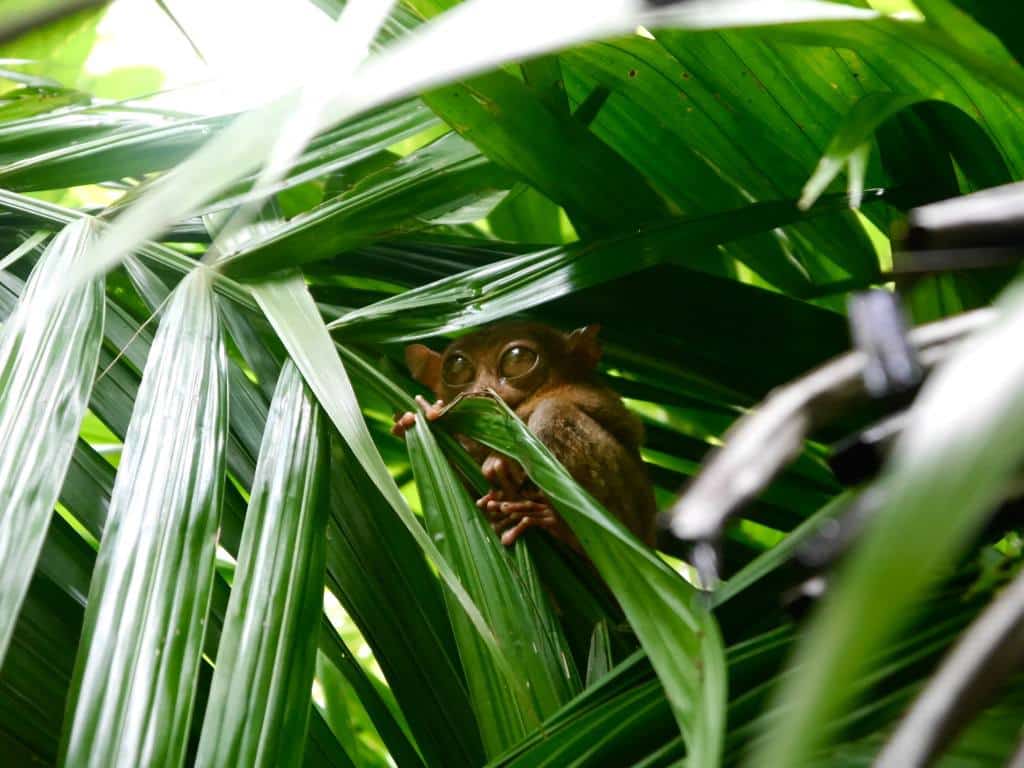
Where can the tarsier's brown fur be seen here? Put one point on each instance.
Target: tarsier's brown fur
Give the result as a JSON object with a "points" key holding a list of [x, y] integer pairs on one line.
{"points": [[563, 401]]}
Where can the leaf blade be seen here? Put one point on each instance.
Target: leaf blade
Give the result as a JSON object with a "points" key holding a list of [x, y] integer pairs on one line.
{"points": [[293, 314], [657, 602], [260, 696], [47, 364], [171, 471], [543, 678]]}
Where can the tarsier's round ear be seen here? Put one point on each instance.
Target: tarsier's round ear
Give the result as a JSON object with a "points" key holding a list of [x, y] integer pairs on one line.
{"points": [[424, 364], [585, 346]]}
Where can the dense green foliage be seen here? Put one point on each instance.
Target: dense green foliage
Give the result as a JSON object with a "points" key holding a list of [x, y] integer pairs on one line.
{"points": [[203, 323]]}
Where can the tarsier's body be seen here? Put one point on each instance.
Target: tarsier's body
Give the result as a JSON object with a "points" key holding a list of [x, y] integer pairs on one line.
{"points": [[548, 378]]}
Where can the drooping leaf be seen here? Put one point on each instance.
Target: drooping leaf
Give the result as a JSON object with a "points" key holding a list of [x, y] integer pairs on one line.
{"points": [[543, 674], [667, 614]]}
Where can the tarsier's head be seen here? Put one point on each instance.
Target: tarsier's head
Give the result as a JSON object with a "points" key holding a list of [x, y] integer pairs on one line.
{"points": [[513, 359]]}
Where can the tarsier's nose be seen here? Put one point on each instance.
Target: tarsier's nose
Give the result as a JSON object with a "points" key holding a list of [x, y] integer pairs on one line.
{"points": [[484, 382]]}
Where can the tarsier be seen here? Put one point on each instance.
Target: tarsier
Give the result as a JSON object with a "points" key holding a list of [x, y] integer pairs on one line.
{"points": [[550, 380]]}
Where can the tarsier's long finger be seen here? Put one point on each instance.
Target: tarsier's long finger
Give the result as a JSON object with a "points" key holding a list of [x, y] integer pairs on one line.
{"points": [[525, 508], [508, 538], [517, 474], [493, 474], [503, 477], [492, 511], [491, 495], [510, 479], [501, 524], [403, 423], [431, 411]]}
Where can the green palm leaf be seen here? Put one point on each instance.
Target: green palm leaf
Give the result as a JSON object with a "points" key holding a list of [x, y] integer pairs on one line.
{"points": [[443, 176], [675, 628], [933, 505], [291, 311], [260, 697], [47, 364], [670, 142], [519, 283], [543, 675], [151, 589], [383, 580]]}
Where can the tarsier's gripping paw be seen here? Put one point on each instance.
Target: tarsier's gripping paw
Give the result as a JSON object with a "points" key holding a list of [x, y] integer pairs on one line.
{"points": [[405, 421], [504, 474], [511, 517]]}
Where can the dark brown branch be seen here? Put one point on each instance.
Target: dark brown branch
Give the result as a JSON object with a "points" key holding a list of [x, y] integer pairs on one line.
{"points": [[990, 218], [762, 442]]}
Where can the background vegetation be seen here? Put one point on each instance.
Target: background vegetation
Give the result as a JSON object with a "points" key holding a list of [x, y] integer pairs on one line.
{"points": [[202, 512]]}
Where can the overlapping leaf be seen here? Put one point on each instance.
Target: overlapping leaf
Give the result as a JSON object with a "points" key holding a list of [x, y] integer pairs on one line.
{"points": [[543, 675], [945, 475], [383, 581], [437, 179], [667, 614], [523, 282], [416, 63]]}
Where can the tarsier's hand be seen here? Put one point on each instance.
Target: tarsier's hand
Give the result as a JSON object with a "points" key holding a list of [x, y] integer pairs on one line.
{"points": [[405, 421], [513, 505], [511, 516], [504, 474]]}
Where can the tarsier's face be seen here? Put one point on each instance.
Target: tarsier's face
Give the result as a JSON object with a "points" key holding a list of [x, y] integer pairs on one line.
{"points": [[513, 359]]}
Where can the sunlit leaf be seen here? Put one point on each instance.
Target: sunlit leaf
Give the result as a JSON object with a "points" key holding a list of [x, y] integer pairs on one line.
{"points": [[147, 612], [47, 365]]}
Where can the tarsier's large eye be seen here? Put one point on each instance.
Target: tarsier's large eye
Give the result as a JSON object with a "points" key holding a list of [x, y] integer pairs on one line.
{"points": [[517, 361], [458, 370]]}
